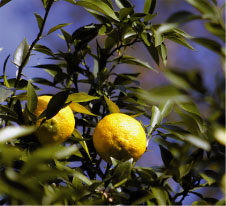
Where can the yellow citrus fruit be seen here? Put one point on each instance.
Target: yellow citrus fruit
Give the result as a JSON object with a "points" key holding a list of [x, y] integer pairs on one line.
{"points": [[57, 129], [119, 136]]}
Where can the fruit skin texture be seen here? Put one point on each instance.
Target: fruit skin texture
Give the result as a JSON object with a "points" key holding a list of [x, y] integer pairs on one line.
{"points": [[119, 136], [57, 129]]}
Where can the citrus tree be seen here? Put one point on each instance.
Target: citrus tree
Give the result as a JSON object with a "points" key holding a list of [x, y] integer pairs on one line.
{"points": [[44, 161]]}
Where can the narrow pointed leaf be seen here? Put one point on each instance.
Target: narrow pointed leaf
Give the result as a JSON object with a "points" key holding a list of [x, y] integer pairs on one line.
{"points": [[6, 83], [59, 26], [149, 6], [56, 104], [21, 52], [80, 97], [39, 20], [31, 97], [165, 108], [80, 109], [113, 108], [99, 6], [155, 118], [77, 134]]}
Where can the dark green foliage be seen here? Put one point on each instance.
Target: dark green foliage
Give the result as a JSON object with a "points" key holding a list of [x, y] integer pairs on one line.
{"points": [[189, 141]]}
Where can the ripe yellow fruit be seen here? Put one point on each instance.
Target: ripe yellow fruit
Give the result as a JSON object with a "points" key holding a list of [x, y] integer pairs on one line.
{"points": [[57, 129], [119, 136]]}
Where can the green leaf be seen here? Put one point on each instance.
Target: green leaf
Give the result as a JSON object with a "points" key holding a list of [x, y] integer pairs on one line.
{"points": [[153, 51], [80, 109], [59, 26], [5, 93], [179, 40], [163, 53], [126, 78], [99, 6], [155, 118], [182, 17], [166, 156], [189, 107], [208, 10], [71, 1], [39, 20], [32, 99], [165, 108], [208, 179], [11, 132], [161, 94], [193, 122], [122, 172], [52, 67], [56, 103], [176, 79], [149, 6], [123, 4], [210, 44], [65, 152], [160, 195], [7, 110], [67, 37], [134, 61], [216, 29], [20, 53], [166, 27], [200, 202], [113, 108], [197, 141], [158, 38], [6, 83], [43, 49], [3, 2], [77, 134], [81, 97]]}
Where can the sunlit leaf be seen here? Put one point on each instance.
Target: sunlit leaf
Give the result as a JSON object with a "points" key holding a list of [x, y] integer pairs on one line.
{"points": [[155, 118], [123, 4], [80, 109], [160, 195], [21, 52], [165, 108], [113, 108], [80, 97]]}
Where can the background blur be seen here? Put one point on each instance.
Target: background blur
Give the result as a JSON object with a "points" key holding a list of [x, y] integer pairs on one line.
{"points": [[18, 20]]}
